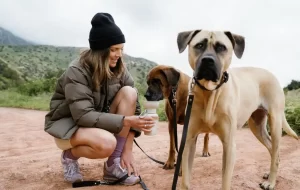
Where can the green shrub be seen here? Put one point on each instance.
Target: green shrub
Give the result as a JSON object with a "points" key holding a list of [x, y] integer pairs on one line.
{"points": [[35, 87]]}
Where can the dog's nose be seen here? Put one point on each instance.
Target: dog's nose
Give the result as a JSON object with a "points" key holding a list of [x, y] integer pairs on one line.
{"points": [[147, 94], [207, 61]]}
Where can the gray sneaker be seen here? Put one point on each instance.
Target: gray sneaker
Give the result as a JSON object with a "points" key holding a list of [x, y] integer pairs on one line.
{"points": [[71, 169], [115, 172]]}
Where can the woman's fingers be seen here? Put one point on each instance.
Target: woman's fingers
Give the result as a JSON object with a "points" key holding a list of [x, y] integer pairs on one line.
{"points": [[129, 169], [136, 173]]}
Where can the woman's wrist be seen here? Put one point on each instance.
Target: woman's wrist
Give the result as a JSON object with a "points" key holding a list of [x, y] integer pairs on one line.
{"points": [[129, 140], [126, 121]]}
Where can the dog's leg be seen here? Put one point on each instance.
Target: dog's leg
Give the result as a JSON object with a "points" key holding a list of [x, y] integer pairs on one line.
{"points": [[275, 121], [227, 136], [258, 125], [171, 159], [205, 152], [188, 159]]}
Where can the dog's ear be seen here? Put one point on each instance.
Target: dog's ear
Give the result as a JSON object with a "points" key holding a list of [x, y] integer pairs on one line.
{"points": [[172, 76], [184, 38], [238, 43]]}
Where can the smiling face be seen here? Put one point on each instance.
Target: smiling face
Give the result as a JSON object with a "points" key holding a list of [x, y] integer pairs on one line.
{"points": [[210, 53], [115, 52]]}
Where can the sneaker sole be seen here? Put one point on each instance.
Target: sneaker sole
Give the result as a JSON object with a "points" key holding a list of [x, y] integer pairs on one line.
{"points": [[112, 179], [77, 180]]}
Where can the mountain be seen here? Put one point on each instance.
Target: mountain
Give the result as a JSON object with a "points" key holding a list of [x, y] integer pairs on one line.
{"points": [[23, 62], [8, 38]]}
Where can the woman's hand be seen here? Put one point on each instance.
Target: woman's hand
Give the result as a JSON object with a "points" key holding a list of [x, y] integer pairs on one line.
{"points": [[127, 162], [144, 123]]}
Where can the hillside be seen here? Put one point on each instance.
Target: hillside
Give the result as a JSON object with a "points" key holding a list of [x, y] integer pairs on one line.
{"points": [[8, 38]]}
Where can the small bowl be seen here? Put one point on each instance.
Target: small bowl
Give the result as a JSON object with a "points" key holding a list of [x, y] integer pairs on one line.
{"points": [[151, 104]]}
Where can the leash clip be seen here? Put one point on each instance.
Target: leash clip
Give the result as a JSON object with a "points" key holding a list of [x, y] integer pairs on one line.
{"points": [[192, 84]]}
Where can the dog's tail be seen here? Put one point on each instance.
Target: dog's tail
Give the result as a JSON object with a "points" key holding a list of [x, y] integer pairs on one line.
{"points": [[286, 127]]}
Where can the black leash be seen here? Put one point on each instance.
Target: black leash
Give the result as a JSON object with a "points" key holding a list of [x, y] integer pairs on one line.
{"points": [[173, 101], [98, 182], [157, 161], [183, 139]]}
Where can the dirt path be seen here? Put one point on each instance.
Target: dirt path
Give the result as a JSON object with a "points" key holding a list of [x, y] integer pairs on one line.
{"points": [[29, 159]]}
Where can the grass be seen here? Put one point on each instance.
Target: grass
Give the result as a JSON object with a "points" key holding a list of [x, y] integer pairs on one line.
{"points": [[11, 98]]}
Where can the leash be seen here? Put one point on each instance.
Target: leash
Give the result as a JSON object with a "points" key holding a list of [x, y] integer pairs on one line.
{"points": [[183, 139], [98, 182], [157, 161], [173, 104]]}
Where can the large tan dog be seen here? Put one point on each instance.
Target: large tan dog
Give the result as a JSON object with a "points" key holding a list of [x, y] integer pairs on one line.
{"points": [[160, 80], [220, 107]]}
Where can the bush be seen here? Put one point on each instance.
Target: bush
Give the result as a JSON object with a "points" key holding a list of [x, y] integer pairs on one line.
{"points": [[36, 87], [293, 85]]}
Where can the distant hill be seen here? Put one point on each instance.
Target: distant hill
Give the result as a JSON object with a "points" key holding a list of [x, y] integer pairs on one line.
{"points": [[8, 38], [28, 62]]}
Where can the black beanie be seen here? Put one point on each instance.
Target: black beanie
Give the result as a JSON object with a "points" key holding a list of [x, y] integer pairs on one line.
{"points": [[104, 32]]}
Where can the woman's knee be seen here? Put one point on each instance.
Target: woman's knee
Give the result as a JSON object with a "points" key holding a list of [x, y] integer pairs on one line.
{"points": [[129, 93], [105, 144]]}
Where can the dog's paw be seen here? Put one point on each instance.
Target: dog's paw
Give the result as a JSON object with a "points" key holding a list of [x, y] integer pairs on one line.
{"points": [[168, 166], [266, 186], [266, 176], [205, 154]]}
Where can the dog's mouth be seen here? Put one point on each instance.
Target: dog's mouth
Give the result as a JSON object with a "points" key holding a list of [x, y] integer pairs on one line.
{"points": [[209, 74], [153, 96]]}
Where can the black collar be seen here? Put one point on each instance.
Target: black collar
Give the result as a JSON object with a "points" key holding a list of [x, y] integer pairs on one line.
{"points": [[225, 77]]}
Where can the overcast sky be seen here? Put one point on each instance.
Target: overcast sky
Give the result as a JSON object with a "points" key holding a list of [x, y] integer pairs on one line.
{"points": [[271, 27]]}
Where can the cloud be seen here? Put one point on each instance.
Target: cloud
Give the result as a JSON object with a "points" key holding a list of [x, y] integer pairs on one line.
{"points": [[270, 27]]}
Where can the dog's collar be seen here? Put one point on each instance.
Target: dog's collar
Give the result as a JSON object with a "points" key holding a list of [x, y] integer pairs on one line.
{"points": [[225, 78]]}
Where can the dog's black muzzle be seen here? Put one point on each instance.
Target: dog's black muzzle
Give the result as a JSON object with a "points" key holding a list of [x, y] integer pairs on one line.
{"points": [[208, 68], [151, 95]]}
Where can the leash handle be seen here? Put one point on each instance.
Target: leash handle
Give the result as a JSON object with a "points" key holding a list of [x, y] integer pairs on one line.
{"points": [[183, 139], [98, 182]]}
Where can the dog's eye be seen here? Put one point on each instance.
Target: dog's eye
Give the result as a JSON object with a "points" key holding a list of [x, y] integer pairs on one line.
{"points": [[199, 45], [155, 82], [220, 48]]}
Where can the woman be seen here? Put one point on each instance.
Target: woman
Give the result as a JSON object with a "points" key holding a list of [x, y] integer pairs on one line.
{"points": [[92, 110]]}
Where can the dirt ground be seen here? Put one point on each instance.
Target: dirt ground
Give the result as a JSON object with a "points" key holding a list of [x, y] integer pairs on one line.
{"points": [[29, 159]]}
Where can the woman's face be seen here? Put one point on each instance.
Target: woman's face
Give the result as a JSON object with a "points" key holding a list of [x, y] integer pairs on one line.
{"points": [[115, 52]]}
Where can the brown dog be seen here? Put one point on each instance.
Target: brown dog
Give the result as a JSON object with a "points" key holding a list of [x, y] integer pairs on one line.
{"points": [[160, 80], [225, 98]]}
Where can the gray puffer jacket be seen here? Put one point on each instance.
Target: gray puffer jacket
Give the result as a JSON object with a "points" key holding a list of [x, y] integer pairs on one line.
{"points": [[74, 103]]}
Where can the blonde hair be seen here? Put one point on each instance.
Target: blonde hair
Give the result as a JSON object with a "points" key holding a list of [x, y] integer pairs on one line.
{"points": [[97, 62]]}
